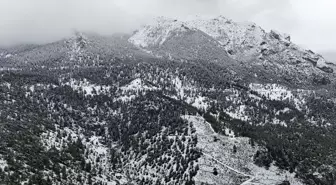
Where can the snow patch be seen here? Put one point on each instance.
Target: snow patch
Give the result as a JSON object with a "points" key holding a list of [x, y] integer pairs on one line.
{"points": [[238, 112], [201, 102], [137, 85], [281, 93], [3, 164], [8, 55], [88, 88]]}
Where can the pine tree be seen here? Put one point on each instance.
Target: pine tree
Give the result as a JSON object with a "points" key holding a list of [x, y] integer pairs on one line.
{"points": [[234, 149], [215, 172], [88, 167], [64, 173]]}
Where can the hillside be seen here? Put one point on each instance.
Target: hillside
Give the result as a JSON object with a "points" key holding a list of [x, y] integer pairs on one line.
{"points": [[202, 101]]}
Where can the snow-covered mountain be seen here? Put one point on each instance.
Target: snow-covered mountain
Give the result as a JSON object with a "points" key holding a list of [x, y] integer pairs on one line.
{"points": [[173, 39], [197, 101], [242, 41], [239, 39]]}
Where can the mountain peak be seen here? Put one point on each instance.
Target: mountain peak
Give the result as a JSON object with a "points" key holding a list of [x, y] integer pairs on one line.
{"points": [[242, 40], [156, 34]]}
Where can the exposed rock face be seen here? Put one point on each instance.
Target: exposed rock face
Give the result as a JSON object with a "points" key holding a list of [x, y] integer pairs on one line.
{"points": [[326, 69], [245, 42]]}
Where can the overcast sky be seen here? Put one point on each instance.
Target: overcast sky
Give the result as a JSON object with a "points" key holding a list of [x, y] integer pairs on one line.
{"points": [[311, 23]]}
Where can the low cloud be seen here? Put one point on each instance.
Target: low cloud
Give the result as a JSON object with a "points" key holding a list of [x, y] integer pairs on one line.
{"points": [[40, 21]]}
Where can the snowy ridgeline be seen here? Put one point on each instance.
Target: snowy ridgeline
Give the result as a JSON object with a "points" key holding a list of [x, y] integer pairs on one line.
{"points": [[232, 167], [238, 38]]}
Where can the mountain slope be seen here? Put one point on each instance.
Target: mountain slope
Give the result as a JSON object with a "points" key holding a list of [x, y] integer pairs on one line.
{"points": [[263, 53], [173, 39], [169, 105]]}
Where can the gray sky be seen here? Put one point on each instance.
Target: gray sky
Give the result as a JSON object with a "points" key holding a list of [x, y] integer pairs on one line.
{"points": [[311, 23]]}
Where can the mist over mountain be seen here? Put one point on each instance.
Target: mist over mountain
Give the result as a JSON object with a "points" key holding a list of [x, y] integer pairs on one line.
{"points": [[310, 23]]}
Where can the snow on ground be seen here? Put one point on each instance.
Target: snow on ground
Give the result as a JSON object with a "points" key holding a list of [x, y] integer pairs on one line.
{"points": [[8, 85], [3, 164], [8, 55], [272, 91], [87, 87], [49, 139], [228, 32], [238, 112], [179, 87], [270, 176], [126, 98], [9, 69], [137, 85], [285, 110], [276, 121], [30, 89], [97, 154], [240, 39], [201, 102], [233, 168], [187, 93], [157, 33], [281, 93]]}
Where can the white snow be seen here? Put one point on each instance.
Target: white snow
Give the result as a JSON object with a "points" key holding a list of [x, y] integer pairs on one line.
{"points": [[87, 87], [179, 87], [280, 93], [231, 167], [157, 33], [137, 85], [126, 98], [97, 153], [8, 55], [187, 93], [3, 164], [285, 110], [229, 33], [272, 91], [238, 112], [76, 42], [9, 69], [96, 146], [8, 85], [243, 39], [321, 62], [201, 102]]}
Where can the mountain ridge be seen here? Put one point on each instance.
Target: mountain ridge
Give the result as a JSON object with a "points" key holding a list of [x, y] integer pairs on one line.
{"points": [[246, 39]]}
